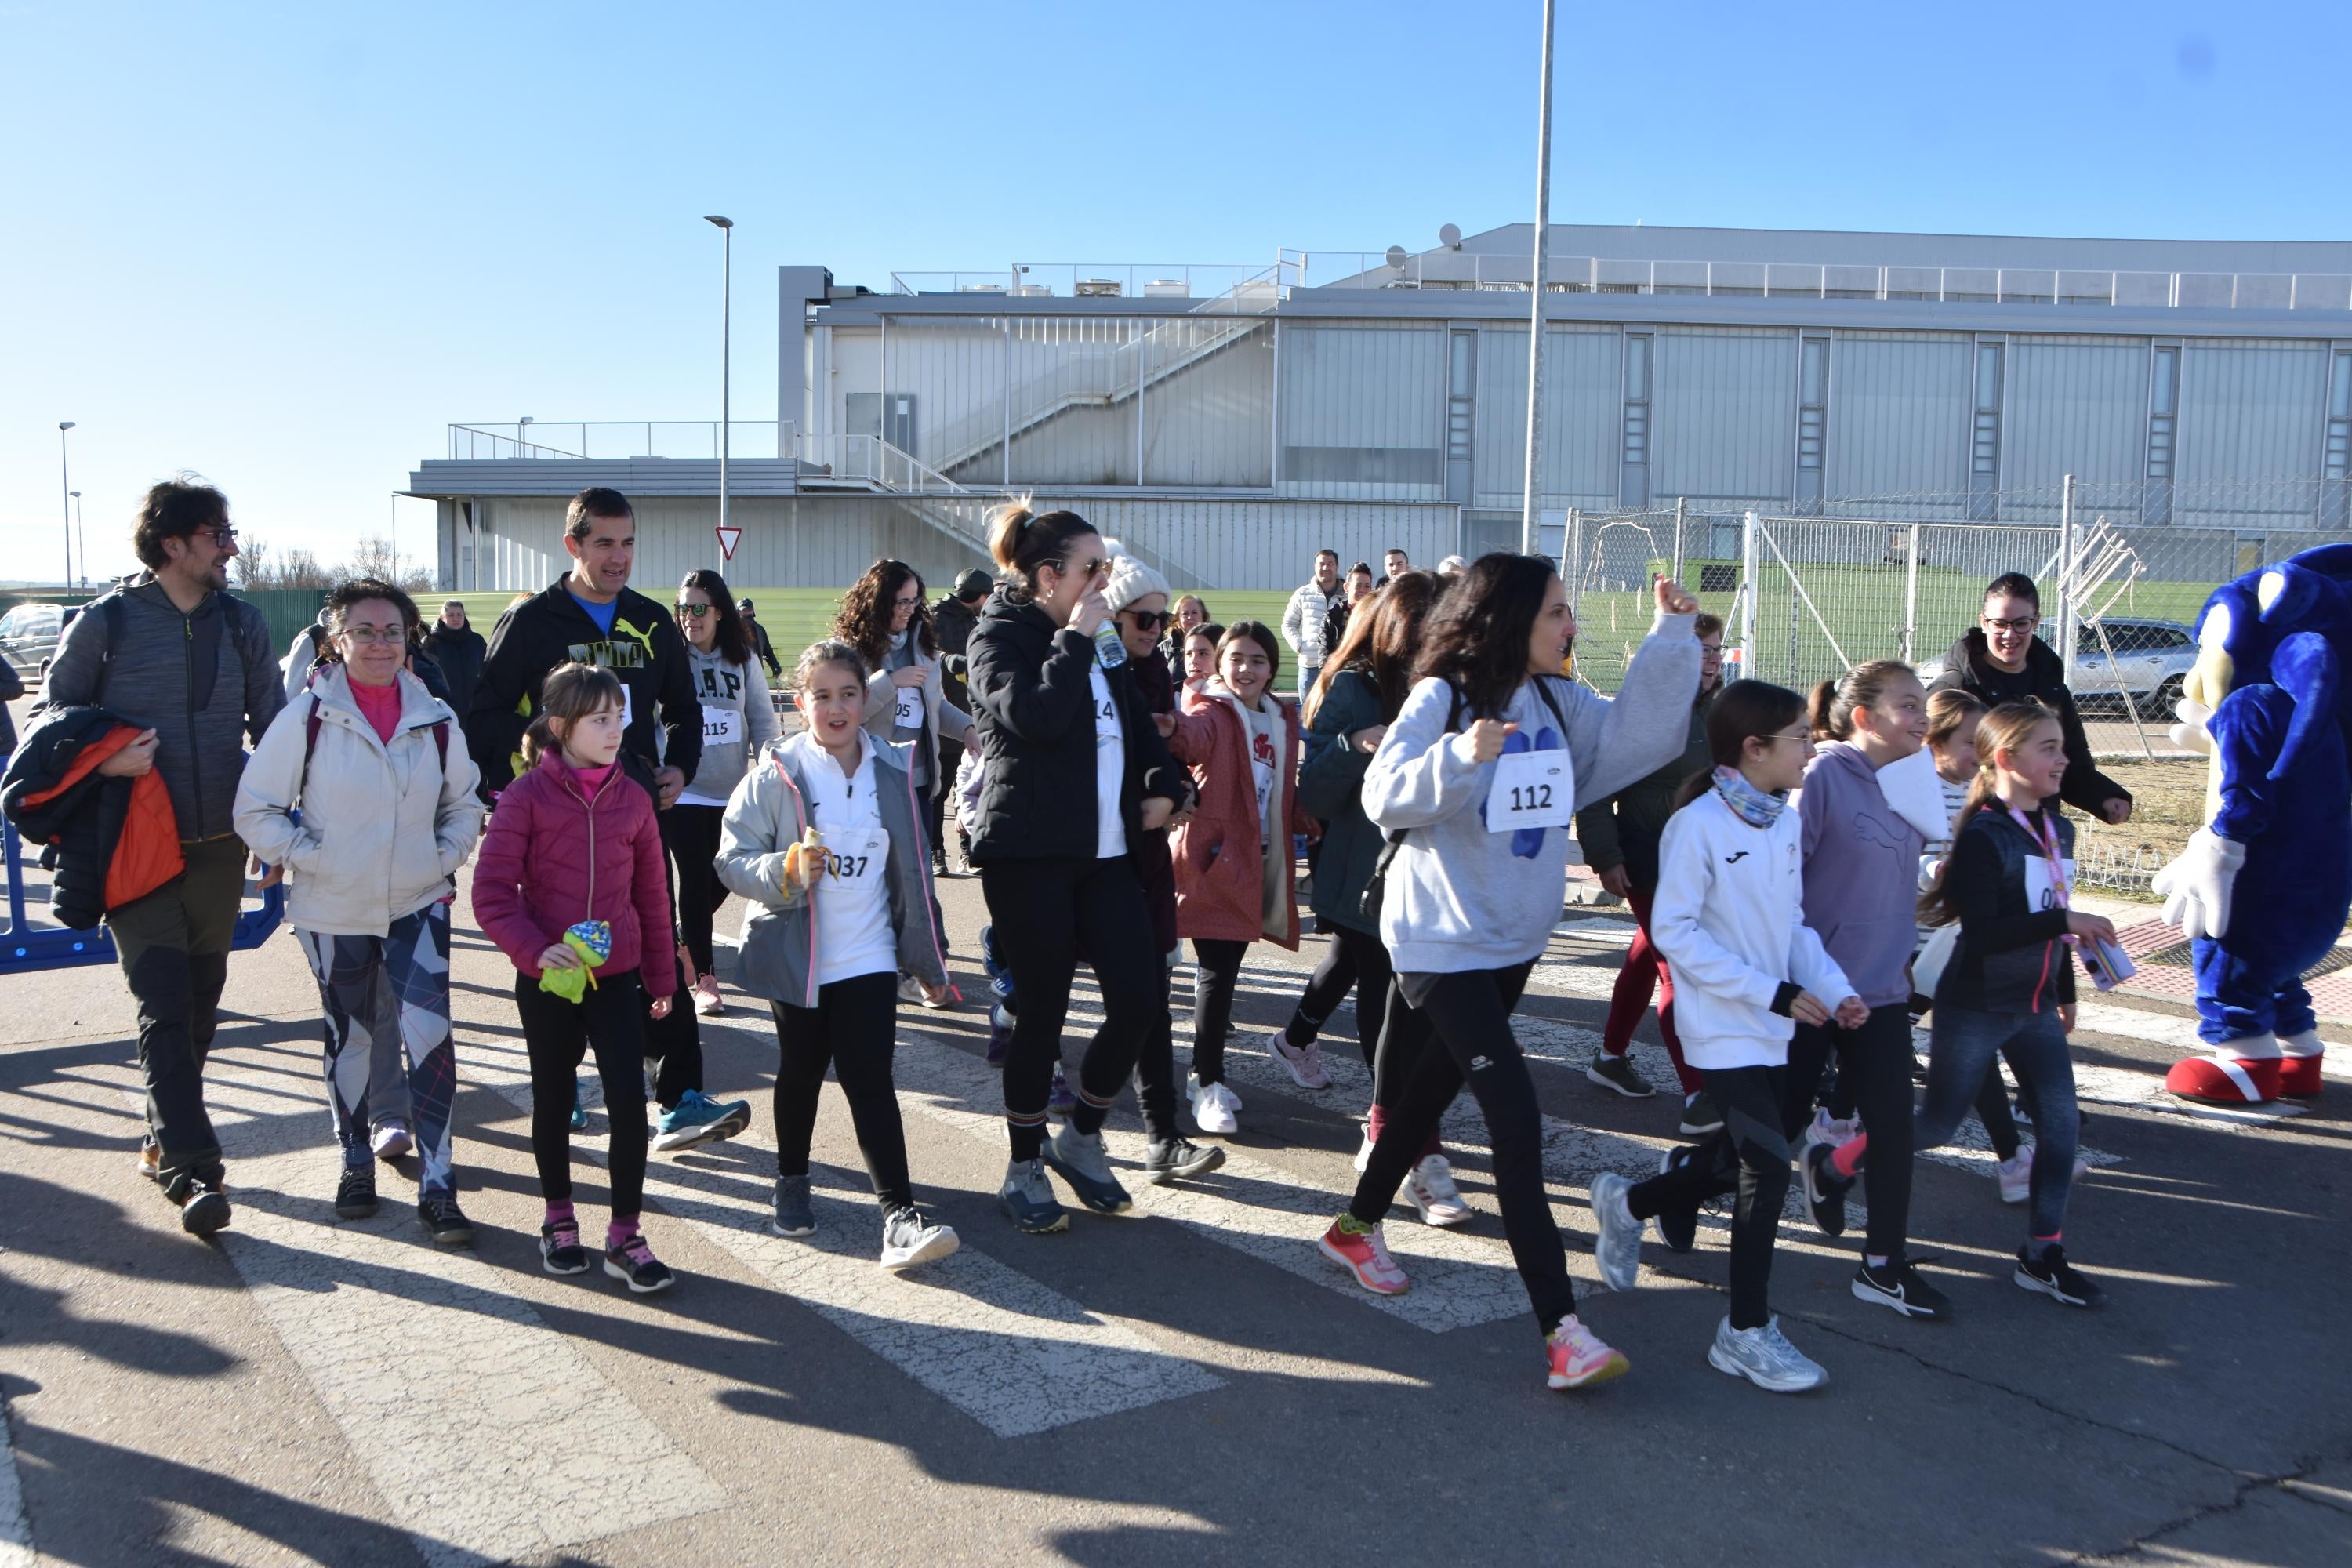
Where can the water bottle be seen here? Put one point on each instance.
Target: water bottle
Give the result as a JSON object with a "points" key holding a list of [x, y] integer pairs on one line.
{"points": [[1109, 647]]}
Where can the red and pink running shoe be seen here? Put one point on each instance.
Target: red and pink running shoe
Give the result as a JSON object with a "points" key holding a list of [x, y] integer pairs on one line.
{"points": [[1362, 1252], [1576, 1356]]}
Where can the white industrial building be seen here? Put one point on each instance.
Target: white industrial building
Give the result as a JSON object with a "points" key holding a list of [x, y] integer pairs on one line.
{"points": [[1228, 421]]}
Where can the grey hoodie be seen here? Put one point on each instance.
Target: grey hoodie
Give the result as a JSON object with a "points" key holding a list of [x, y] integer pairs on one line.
{"points": [[1862, 874], [1459, 898], [206, 682], [738, 688], [765, 816]]}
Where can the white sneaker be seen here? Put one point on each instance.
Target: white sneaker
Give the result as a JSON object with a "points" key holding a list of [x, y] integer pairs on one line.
{"points": [[391, 1140], [1429, 1187], [1304, 1065], [1835, 1131], [1764, 1357], [1211, 1113], [2016, 1173]]}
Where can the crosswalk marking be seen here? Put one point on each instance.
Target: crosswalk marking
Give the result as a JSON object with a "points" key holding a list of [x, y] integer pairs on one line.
{"points": [[487, 1433], [1014, 1356]]}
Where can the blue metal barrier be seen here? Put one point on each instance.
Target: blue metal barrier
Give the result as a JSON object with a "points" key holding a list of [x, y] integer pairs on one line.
{"points": [[23, 950]]}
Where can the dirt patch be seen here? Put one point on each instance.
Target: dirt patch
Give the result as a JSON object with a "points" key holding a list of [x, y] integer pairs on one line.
{"points": [[2167, 805]]}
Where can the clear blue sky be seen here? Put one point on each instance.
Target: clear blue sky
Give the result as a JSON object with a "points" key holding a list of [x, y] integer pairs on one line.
{"points": [[286, 245]]}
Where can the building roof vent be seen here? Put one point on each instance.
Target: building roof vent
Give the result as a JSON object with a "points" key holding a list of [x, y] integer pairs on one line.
{"points": [[1096, 288], [1167, 289]]}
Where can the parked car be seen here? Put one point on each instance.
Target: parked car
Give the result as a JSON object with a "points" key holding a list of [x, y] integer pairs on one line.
{"points": [[29, 635], [2152, 658]]}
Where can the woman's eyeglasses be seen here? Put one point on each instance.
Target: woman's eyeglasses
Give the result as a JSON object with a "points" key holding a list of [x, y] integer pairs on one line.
{"points": [[695, 612], [370, 636], [2021, 624], [1148, 620]]}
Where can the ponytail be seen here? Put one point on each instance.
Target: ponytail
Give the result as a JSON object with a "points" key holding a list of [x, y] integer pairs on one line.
{"points": [[1831, 710], [1023, 541], [1748, 709]]}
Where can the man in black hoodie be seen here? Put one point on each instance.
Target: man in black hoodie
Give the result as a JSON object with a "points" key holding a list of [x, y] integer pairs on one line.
{"points": [[2002, 661], [952, 619]]}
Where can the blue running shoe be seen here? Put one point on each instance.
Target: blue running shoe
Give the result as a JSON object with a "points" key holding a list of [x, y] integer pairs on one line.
{"points": [[698, 1119], [578, 1111]]}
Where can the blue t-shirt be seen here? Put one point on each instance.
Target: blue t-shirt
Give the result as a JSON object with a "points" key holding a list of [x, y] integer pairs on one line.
{"points": [[602, 614]]}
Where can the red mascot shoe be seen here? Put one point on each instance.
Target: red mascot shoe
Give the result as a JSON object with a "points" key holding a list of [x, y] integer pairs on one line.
{"points": [[2299, 1078], [2225, 1080]]}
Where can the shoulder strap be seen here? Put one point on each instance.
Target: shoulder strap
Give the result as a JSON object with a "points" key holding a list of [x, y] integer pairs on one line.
{"points": [[310, 725], [1543, 689], [109, 609]]}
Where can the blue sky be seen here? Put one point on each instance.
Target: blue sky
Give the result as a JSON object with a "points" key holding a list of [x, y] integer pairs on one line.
{"points": [[286, 245]]}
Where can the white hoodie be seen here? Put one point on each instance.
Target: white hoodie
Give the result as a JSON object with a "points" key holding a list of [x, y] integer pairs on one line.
{"points": [[1729, 915]]}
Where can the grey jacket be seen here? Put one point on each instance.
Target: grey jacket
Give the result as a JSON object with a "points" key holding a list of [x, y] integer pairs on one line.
{"points": [[1862, 873], [206, 682], [765, 816]]}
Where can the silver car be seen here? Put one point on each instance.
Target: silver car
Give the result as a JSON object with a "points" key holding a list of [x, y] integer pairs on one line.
{"points": [[2150, 660], [29, 635]]}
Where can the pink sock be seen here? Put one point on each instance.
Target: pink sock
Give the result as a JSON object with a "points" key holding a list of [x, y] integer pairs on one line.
{"points": [[1374, 1123], [1847, 1159], [620, 1232], [561, 1213], [1431, 1147]]}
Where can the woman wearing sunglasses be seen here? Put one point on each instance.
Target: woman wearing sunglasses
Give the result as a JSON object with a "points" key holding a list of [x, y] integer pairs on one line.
{"points": [[1075, 775], [738, 722], [884, 617]]}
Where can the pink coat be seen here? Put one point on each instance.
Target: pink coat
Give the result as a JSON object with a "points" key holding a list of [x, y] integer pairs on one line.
{"points": [[1220, 866], [553, 856]]}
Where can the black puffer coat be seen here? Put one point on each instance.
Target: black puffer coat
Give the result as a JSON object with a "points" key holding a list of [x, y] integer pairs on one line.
{"points": [[87, 817], [1034, 705]]}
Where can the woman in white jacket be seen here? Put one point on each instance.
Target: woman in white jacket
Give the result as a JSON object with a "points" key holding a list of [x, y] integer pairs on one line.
{"points": [[361, 794], [1729, 917]]}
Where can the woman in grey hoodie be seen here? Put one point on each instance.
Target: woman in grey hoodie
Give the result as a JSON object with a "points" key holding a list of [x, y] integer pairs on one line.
{"points": [[1476, 784], [738, 721]]}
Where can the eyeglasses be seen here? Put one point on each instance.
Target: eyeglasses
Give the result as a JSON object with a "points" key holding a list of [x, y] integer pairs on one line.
{"points": [[366, 636], [223, 535], [2021, 624], [695, 612], [1801, 740], [914, 603], [1148, 620]]}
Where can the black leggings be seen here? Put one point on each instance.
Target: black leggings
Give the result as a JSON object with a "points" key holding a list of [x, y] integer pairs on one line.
{"points": [[1355, 959], [1036, 909], [1748, 1154], [1216, 969], [691, 834], [1877, 1059], [1992, 1108], [1155, 1065], [854, 1028], [1469, 1015], [608, 1020]]}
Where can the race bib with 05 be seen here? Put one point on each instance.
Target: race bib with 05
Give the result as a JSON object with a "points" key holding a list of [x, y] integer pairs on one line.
{"points": [[1531, 789]]}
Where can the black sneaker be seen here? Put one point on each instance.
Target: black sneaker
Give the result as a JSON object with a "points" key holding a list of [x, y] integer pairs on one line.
{"points": [[1701, 1115], [633, 1262], [355, 1194], [1179, 1156], [1678, 1231], [559, 1251], [446, 1220], [204, 1208], [794, 1216], [1900, 1285], [2054, 1277], [1618, 1075], [1825, 1190]]}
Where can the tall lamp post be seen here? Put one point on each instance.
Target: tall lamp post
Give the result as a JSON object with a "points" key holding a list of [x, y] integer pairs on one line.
{"points": [[65, 497], [395, 539], [726, 335], [83, 539], [1529, 537]]}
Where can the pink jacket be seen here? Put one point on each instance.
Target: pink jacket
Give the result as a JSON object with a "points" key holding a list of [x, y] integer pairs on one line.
{"points": [[553, 856], [1220, 867]]}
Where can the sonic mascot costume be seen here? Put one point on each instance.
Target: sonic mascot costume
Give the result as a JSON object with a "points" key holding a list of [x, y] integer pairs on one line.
{"points": [[2263, 888]]}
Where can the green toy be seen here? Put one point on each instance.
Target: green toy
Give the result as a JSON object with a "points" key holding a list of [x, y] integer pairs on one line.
{"points": [[593, 941]]}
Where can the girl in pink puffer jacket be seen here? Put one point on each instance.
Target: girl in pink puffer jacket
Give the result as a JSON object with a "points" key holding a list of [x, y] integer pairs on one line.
{"points": [[573, 846]]}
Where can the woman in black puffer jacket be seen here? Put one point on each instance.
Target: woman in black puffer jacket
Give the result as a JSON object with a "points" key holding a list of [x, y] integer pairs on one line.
{"points": [[1075, 771]]}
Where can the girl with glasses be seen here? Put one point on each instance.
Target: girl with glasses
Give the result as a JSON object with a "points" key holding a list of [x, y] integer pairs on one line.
{"points": [[739, 722]]}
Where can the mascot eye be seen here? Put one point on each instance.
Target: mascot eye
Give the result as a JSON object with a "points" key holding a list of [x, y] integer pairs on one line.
{"points": [[2215, 632], [2267, 591]]}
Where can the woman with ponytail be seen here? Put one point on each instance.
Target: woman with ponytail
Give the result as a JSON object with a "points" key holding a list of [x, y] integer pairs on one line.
{"points": [[1076, 773]]}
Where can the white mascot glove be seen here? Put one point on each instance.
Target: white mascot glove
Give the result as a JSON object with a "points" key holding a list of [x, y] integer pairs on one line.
{"points": [[2196, 887], [2190, 733]]}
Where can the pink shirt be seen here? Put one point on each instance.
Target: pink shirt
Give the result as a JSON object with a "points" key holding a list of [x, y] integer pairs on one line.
{"points": [[380, 705], [593, 779]]}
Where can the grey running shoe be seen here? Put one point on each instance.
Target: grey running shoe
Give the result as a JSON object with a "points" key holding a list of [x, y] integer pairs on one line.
{"points": [[1179, 1156], [910, 1237], [1079, 1159], [1618, 1248], [1027, 1199], [1618, 1073], [1764, 1357], [794, 1216]]}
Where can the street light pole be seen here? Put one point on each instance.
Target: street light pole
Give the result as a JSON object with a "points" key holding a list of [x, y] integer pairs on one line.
{"points": [[82, 537], [65, 498], [1527, 530], [726, 343], [395, 539]]}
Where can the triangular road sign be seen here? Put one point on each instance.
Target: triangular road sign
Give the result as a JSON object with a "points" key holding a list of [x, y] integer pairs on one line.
{"points": [[729, 537]]}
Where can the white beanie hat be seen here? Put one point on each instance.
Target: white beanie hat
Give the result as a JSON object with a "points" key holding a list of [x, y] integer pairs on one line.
{"points": [[1130, 579]]}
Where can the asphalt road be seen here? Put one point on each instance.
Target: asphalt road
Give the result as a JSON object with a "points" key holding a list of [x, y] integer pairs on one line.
{"points": [[1187, 1381]]}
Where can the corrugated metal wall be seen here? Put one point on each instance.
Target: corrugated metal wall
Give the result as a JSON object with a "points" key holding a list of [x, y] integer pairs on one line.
{"points": [[1899, 412], [1208, 405], [1272, 544], [1583, 411], [1726, 421], [2075, 406], [1363, 411], [954, 368], [2252, 410]]}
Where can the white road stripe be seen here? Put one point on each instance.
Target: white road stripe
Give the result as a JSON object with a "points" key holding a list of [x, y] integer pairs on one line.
{"points": [[1014, 1356], [487, 1432]]}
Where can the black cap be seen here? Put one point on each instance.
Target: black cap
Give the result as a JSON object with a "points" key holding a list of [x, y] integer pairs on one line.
{"points": [[973, 584], [744, 604]]}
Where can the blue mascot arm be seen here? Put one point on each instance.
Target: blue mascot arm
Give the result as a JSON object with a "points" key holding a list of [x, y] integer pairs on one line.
{"points": [[2248, 729]]}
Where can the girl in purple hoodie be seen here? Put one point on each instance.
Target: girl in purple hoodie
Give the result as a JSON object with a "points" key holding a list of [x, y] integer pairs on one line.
{"points": [[1862, 878]]}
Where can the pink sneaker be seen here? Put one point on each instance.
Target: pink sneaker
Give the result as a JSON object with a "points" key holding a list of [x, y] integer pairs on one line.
{"points": [[1577, 1357], [1304, 1065], [706, 996], [1363, 1253]]}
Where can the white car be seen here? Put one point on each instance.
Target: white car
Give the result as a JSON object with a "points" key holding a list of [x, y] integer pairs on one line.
{"points": [[2152, 658]]}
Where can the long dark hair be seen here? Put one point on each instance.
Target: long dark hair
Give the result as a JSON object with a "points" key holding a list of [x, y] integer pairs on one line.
{"points": [[1381, 643], [1746, 710], [733, 639], [865, 619], [1476, 638]]}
